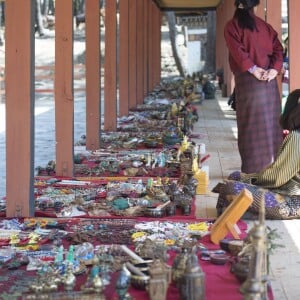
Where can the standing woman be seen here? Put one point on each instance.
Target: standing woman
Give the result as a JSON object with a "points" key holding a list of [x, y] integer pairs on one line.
{"points": [[255, 58]]}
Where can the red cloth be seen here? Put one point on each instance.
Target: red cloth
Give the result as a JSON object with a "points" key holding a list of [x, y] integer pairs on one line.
{"points": [[220, 283]]}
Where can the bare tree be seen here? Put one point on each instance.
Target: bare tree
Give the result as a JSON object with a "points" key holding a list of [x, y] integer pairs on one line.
{"points": [[45, 8], [39, 18], [173, 33], [210, 62]]}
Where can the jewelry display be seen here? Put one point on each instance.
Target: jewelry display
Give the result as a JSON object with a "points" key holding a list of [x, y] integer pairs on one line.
{"points": [[124, 225]]}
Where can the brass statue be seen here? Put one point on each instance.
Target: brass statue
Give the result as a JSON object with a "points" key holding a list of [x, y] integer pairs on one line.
{"points": [[255, 285], [192, 283], [159, 280]]}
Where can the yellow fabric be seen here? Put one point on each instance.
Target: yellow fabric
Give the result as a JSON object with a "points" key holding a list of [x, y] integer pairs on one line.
{"points": [[283, 175]]}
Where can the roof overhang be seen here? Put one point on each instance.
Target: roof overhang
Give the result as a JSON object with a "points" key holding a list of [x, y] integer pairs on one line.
{"points": [[187, 4]]}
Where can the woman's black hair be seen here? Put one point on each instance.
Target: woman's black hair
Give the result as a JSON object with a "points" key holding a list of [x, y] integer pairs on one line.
{"points": [[290, 118], [243, 13]]}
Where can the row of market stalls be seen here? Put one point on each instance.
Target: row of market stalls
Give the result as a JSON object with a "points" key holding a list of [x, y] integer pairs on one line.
{"points": [[134, 70]]}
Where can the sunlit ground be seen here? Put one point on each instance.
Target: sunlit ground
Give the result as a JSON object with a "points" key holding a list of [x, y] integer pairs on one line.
{"points": [[293, 232], [38, 111]]}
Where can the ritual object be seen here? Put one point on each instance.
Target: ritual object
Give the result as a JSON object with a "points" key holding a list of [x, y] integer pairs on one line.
{"points": [[159, 280], [255, 286], [123, 283], [179, 265], [192, 283]]}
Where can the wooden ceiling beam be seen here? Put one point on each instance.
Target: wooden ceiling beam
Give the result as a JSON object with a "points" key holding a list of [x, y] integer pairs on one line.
{"points": [[187, 4]]}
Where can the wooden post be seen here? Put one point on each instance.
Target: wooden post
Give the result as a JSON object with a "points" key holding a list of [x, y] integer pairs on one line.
{"points": [[156, 45], [19, 87], [150, 44], [223, 14], [261, 10], [132, 53], [93, 74], [273, 17], [124, 58], [140, 51], [146, 48], [294, 42], [110, 66], [64, 94]]}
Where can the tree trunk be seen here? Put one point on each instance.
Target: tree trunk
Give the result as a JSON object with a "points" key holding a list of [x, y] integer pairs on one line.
{"points": [[173, 33], [210, 63], [39, 18], [45, 9]]}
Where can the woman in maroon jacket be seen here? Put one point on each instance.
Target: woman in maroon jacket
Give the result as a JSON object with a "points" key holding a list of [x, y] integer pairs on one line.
{"points": [[255, 58]]}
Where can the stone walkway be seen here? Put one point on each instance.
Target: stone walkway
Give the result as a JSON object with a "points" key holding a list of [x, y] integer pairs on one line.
{"points": [[218, 125]]}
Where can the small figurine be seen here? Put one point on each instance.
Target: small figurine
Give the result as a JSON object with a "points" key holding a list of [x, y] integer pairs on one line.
{"points": [[179, 265], [14, 239], [161, 160], [94, 283], [123, 283], [185, 144], [69, 278], [160, 277], [33, 238], [70, 255], [60, 255], [192, 284]]}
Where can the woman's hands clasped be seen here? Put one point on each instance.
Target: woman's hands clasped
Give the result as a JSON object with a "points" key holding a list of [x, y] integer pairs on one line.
{"points": [[265, 75]]}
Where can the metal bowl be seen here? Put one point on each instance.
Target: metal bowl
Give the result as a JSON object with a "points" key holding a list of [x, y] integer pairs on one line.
{"points": [[219, 259], [154, 212], [139, 282], [144, 267]]}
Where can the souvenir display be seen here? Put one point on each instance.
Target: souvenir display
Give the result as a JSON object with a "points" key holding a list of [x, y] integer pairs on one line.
{"points": [[124, 227], [149, 258]]}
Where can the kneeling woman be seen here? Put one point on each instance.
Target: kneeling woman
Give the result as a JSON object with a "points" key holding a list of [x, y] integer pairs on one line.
{"points": [[279, 183]]}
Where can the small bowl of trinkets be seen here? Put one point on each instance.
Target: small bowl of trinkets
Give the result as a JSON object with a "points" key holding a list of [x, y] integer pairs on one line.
{"points": [[219, 258], [139, 282], [154, 212]]}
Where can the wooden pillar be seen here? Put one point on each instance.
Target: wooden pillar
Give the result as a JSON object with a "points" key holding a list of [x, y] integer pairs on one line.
{"points": [[146, 47], [132, 53], [64, 93], [93, 74], [19, 87], [110, 67], [156, 45], [150, 44], [224, 12], [294, 42], [261, 10], [140, 51], [273, 17], [220, 41], [124, 58]]}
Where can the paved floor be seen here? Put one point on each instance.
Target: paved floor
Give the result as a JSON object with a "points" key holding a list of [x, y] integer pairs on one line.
{"points": [[217, 127]]}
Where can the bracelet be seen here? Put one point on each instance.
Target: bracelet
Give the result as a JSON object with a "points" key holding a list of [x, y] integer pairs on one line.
{"points": [[252, 69]]}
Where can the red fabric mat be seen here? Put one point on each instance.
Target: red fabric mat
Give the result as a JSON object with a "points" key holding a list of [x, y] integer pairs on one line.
{"points": [[220, 283]]}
